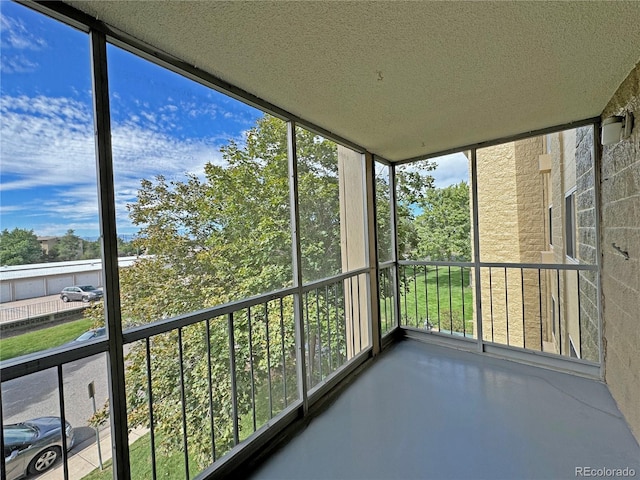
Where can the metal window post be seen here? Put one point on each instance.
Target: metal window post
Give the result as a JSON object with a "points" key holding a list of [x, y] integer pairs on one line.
{"points": [[108, 234], [296, 262], [394, 242], [371, 239], [597, 182], [476, 248]]}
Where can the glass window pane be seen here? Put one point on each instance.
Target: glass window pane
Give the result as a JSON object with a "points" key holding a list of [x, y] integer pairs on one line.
{"points": [[49, 215], [434, 212], [434, 225], [319, 200], [331, 198], [386, 279], [383, 212], [202, 191], [536, 204]]}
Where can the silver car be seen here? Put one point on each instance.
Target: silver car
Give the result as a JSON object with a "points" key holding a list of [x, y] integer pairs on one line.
{"points": [[33, 446], [86, 293]]}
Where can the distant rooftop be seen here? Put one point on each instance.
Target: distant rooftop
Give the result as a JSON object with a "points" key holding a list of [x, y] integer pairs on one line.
{"points": [[14, 272]]}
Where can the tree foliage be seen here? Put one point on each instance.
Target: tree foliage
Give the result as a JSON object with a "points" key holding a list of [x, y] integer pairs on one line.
{"points": [[19, 247], [68, 247], [444, 226], [412, 186], [222, 237]]}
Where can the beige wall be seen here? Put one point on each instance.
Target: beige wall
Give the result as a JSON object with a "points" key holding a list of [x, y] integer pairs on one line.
{"points": [[353, 246], [562, 148], [620, 225], [511, 210]]}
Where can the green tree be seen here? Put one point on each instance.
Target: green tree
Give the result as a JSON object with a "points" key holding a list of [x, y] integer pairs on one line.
{"points": [[412, 185], [126, 248], [91, 249], [219, 238], [444, 226], [19, 247], [69, 247]]}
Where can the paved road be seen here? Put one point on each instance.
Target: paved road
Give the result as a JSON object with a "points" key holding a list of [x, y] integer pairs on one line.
{"points": [[36, 395]]}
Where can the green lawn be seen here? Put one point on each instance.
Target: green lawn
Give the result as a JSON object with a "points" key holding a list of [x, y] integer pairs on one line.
{"points": [[167, 466], [448, 313], [42, 339]]}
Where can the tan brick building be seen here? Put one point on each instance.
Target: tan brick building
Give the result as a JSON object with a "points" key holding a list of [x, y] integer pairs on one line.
{"points": [[536, 206]]}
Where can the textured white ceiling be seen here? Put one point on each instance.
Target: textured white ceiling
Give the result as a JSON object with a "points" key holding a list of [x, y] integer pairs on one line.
{"points": [[402, 79]]}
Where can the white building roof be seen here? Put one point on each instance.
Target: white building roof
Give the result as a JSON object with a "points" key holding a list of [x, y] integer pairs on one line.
{"points": [[35, 270]]}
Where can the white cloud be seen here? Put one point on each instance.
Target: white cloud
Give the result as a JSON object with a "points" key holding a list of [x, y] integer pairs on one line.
{"points": [[16, 64], [149, 116], [16, 35], [48, 148], [45, 141], [4, 209], [451, 169]]}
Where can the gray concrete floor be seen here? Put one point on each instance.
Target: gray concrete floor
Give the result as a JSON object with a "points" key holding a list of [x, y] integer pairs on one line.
{"points": [[425, 411]]}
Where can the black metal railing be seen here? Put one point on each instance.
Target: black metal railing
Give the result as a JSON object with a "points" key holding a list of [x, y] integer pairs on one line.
{"points": [[386, 284], [202, 383], [546, 308], [336, 322], [437, 297], [538, 307]]}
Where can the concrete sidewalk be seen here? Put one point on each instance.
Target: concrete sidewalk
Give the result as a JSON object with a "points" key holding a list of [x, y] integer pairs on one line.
{"points": [[83, 458]]}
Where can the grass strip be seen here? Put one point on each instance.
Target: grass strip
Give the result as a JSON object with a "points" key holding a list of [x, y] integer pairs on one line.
{"points": [[168, 465], [42, 339]]}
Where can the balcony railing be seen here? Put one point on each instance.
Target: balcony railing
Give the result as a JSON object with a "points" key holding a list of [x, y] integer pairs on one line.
{"points": [[27, 312], [209, 408], [437, 297], [334, 313], [218, 406], [537, 307], [387, 286]]}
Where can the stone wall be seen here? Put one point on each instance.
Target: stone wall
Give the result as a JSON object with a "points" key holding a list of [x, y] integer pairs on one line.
{"points": [[575, 294], [586, 243], [620, 226]]}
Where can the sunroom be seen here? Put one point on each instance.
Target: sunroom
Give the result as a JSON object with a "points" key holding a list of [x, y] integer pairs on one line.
{"points": [[373, 239]]}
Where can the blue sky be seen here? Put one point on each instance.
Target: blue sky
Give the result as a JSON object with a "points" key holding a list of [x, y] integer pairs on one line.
{"points": [[161, 124]]}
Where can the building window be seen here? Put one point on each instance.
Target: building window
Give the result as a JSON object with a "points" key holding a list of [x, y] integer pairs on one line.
{"points": [[547, 144], [551, 225], [570, 225], [572, 348]]}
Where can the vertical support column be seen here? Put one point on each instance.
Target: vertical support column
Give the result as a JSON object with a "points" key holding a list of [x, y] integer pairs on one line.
{"points": [[353, 245], [597, 181], [394, 243], [296, 260], [3, 468], [372, 250], [108, 234], [476, 248]]}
